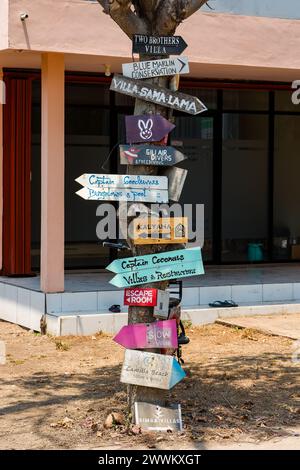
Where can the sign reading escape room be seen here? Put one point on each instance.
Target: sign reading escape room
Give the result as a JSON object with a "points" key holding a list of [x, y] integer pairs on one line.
{"points": [[151, 231], [156, 94]]}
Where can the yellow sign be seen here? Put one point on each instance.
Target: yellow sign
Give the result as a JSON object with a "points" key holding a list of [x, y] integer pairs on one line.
{"points": [[155, 231]]}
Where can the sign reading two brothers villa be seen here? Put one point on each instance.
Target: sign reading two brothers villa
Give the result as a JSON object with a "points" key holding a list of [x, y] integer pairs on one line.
{"points": [[158, 45], [158, 95]]}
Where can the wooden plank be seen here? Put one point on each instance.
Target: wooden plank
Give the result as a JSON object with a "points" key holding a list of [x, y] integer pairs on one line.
{"points": [[129, 195], [177, 271], [151, 370], [152, 417], [147, 128], [158, 45], [155, 261], [95, 181], [156, 68], [160, 334], [153, 155], [166, 230], [176, 178], [158, 95]]}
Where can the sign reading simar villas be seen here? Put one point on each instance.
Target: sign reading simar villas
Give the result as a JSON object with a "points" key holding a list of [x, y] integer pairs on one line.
{"points": [[158, 95]]}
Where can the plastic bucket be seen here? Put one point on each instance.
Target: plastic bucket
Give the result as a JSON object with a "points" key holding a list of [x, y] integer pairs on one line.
{"points": [[255, 252]]}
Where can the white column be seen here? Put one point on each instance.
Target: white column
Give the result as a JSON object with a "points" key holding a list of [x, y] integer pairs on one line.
{"points": [[53, 173]]}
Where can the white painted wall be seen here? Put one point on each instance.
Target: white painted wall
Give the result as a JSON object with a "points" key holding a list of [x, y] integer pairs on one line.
{"points": [[269, 8]]}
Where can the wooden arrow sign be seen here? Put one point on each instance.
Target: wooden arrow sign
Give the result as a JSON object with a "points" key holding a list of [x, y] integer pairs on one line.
{"points": [[160, 334], [129, 195], [155, 155], [123, 188], [95, 181], [147, 128], [157, 267], [156, 68], [151, 370], [158, 95], [166, 230], [158, 45]]}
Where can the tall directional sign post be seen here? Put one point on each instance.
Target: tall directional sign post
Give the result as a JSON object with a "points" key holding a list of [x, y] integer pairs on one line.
{"points": [[146, 273]]}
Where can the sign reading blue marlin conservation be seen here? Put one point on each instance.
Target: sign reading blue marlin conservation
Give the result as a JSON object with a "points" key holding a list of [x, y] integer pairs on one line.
{"points": [[158, 45], [146, 188], [156, 68], [156, 267], [158, 95], [156, 155]]}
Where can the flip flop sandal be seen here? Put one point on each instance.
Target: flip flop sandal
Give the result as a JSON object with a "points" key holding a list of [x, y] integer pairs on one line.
{"points": [[217, 304], [230, 303], [115, 309]]}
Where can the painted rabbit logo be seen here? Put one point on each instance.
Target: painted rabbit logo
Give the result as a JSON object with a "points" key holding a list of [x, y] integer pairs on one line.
{"points": [[145, 128]]}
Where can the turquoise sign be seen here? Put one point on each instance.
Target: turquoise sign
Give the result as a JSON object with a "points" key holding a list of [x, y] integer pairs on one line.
{"points": [[157, 267]]}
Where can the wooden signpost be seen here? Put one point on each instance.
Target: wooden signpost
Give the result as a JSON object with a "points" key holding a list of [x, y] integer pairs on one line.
{"points": [[156, 68], [158, 418], [147, 128], [153, 155], [157, 95], [156, 267], [160, 334], [151, 231], [158, 45], [151, 370], [123, 188]]}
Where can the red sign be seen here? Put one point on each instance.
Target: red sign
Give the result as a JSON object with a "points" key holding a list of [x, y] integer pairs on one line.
{"points": [[140, 297]]}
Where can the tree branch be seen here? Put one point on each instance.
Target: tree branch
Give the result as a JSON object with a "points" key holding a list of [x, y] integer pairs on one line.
{"points": [[171, 13], [121, 12]]}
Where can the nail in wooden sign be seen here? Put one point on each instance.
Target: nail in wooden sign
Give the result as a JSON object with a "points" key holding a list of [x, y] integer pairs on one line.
{"points": [[152, 417], [151, 370], [147, 128], [123, 188], [156, 68], [158, 45], [158, 95], [160, 334], [165, 230], [155, 155], [156, 267]]}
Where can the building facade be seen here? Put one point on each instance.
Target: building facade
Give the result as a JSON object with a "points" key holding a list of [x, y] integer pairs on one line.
{"points": [[60, 120]]}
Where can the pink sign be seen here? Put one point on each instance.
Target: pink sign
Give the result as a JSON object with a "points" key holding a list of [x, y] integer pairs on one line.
{"points": [[140, 297], [160, 334]]}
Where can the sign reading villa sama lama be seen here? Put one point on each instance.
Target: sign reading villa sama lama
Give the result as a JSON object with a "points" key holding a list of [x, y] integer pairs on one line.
{"points": [[158, 95]]}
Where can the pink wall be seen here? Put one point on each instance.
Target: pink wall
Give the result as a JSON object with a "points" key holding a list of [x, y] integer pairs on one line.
{"points": [[3, 24], [80, 27]]}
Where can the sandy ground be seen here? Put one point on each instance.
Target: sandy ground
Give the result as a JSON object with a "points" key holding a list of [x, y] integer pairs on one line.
{"points": [[242, 389]]}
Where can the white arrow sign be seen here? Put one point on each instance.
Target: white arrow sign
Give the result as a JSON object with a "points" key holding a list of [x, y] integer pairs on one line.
{"points": [[96, 181], [156, 68], [122, 194]]}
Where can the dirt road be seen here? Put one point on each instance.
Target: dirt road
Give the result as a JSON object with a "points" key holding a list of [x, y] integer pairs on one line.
{"points": [[241, 387]]}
